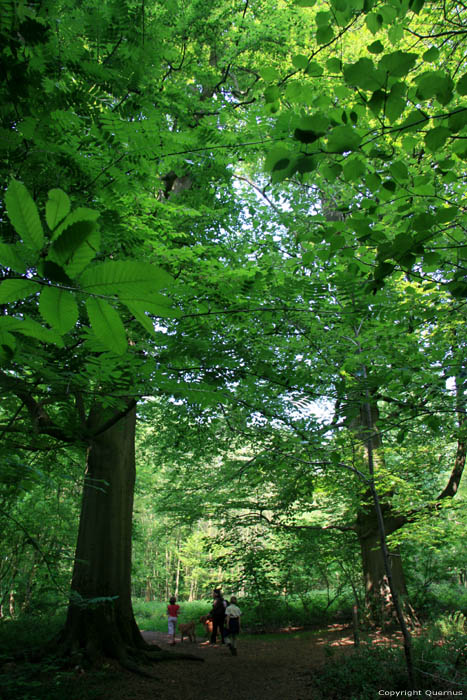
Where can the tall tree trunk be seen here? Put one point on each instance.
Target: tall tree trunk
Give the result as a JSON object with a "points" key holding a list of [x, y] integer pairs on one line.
{"points": [[100, 616], [378, 600]]}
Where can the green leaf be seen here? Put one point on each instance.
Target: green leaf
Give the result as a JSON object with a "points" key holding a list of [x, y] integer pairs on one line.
{"points": [[269, 74], [399, 171], [10, 256], [384, 269], [314, 69], [373, 182], [458, 289], [446, 214], [125, 277], [8, 339], [271, 94], [310, 128], [364, 75], [416, 5], [53, 272], [306, 164], [394, 107], [30, 328], [66, 245], [461, 86], [375, 47], [414, 120], [14, 289], [24, 216], [423, 222], [84, 254], [334, 65], [458, 120], [342, 139], [281, 164], [58, 308], [340, 5], [331, 171], [436, 138], [57, 207], [159, 306], [431, 55], [377, 101], [300, 61], [322, 19], [395, 33], [354, 169], [398, 63], [324, 35], [374, 22], [107, 325], [435, 84], [78, 215], [276, 155]]}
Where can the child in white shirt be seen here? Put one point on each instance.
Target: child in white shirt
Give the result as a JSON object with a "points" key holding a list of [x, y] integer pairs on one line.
{"points": [[232, 623]]}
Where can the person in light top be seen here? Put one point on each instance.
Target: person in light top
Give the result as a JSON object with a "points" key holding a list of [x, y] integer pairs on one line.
{"points": [[172, 613], [232, 623]]}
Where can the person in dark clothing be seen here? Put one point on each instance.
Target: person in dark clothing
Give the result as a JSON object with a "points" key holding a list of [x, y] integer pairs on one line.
{"points": [[217, 615]]}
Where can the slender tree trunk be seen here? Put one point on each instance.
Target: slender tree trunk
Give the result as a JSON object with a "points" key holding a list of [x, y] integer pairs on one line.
{"points": [[177, 574], [149, 594], [100, 616]]}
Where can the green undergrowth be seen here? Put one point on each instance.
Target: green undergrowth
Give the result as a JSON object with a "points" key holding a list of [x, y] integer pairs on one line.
{"points": [[439, 659], [28, 632], [439, 599], [258, 616]]}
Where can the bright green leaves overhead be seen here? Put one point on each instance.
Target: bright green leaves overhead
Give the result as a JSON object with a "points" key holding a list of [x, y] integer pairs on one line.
{"points": [[365, 75], [24, 216], [61, 269]]}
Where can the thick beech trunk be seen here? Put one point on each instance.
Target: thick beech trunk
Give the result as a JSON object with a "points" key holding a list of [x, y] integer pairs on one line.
{"points": [[378, 601], [100, 618]]}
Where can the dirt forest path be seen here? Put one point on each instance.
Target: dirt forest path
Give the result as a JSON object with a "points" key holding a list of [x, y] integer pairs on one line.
{"points": [[265, 669]]}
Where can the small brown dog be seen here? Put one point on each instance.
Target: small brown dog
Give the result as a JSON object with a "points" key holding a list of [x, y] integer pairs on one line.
{"points": [[187, 629], [207, 622]]}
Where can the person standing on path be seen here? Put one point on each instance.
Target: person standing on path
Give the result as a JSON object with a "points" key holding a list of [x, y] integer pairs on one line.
{"points": [[218, 615], [172, 613], [232, 622]]}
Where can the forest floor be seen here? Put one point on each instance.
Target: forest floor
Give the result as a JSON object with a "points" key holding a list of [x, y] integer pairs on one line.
{"points": [[267, 667]]}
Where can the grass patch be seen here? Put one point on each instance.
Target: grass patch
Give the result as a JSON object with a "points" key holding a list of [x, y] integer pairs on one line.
{"points": [[153, 615]]}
